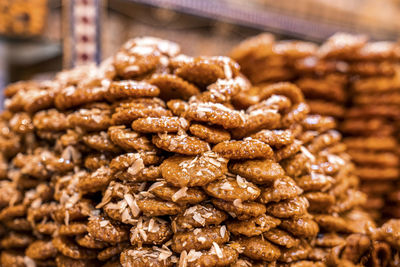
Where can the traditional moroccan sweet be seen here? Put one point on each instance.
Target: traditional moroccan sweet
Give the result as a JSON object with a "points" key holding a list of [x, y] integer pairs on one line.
{"points": [[155, 158], [356, 82], [373, 68]]}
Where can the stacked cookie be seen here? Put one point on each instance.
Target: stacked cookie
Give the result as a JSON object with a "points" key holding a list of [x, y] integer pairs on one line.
{"points": [[155, 158], [371, 119], [264, 60], [324, 85]]}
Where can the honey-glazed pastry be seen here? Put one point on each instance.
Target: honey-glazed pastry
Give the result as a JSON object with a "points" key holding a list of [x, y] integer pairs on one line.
{"points": [[155, 158]]}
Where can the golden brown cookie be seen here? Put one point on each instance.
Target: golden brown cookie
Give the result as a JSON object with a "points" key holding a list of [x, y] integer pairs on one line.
{"points": [[72, 96], [281, 189], [294, 207], [199, 238], [70, 249], [198, 216], [147, 257], [193, 171], [237, 209], [127, 112], [173, 87], [275, 138], [342, 45], [130, 89], [301, 227], [281, 238], [156, 207], [257, 171], [181, 144], [129, 140], [40, 250], [200, 71], [244, 149], [50, 120], [215, 114], [151, 231], [90, 119], [160, 125], [178, 195], [217, 255], [100, 142], [254, 226], [258, 249], [73, 228], [210, 134], [106, 230], [232, 189]]}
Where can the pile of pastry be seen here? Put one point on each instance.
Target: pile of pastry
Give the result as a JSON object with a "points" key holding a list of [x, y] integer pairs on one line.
{"points": [[371, 122], [356, 81], [155, 158]]}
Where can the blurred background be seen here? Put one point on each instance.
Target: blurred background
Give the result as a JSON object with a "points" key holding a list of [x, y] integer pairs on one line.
{"points": [[41, 37]]}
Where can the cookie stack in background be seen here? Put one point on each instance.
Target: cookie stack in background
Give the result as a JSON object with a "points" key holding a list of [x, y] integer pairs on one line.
{"points": [[371, 120], [157, 158], [323, 81], [352, 80], [265, 60], [27, 187]]}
